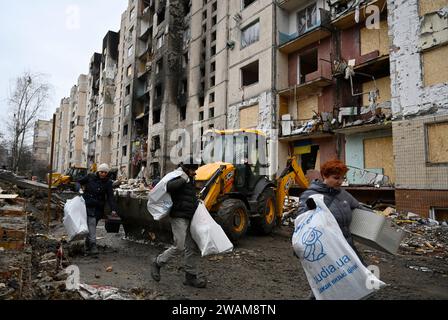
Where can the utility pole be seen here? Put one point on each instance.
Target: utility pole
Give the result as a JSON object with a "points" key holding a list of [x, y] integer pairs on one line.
{"points": [[50, 174]]}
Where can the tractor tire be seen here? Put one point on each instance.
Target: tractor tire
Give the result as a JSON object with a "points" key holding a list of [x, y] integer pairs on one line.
{"points": [[265, 223], [233, 218]]}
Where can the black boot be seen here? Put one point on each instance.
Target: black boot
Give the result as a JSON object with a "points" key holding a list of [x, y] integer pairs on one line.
{"points": [[93, 250], [155, 270], [193, 281]]}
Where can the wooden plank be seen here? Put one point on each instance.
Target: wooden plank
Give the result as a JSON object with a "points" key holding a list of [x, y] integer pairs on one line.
{"points": [[378, 153], [307, 107], [435, 66], [383, 85], [375, 39], [8, 196], [428, 6], [438, 142], [249, 117]]}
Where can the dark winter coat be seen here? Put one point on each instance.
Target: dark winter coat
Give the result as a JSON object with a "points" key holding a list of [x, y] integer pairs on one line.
{"points": [[185, 200], [96, 192], [340, 202]]}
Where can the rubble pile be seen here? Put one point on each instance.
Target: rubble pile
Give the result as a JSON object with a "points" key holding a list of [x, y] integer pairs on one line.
{"points": [[290, 207], [135, 188], [424, 236]]}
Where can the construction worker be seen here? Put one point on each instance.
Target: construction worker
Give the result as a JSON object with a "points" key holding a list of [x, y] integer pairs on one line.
{"points": [[185, 203], [97, 189]]}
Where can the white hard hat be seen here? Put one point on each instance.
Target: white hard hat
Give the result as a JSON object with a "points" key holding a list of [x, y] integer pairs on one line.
{"points": [[103, 167]]}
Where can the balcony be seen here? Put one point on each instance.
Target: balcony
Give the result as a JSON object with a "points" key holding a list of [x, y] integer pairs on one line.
{"points": [[145, 28], [320, 126], [347, 19], [289, 43], [312, 82], [365, 119]]}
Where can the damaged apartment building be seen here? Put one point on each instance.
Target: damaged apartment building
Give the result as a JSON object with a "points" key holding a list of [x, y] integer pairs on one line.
{"points": [[419, 85], [334, 96], [100, 102], [361, 80]]}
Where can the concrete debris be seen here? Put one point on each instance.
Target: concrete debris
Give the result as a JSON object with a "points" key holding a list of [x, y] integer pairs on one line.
{"points": [[133, 188], [98, 292]]}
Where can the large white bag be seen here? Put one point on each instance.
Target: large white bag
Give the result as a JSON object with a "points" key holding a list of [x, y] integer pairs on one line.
{"points": [[332, 268], [75, 219], [159, 200], [207, 234]]}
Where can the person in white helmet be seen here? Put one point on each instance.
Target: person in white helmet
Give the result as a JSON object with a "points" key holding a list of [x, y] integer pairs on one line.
{"points": [[97, 190]]}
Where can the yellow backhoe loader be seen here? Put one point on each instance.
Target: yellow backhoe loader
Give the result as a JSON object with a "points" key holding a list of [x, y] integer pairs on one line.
{"points": [[237, 192], [67, 181]]}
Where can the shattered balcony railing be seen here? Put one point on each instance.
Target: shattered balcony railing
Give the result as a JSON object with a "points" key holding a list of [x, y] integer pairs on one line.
{"points": [[321, 123], [375, 113], [367, 177]]}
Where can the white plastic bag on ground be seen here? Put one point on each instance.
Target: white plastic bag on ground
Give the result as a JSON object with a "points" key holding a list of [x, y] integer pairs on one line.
{"points": [[159, 200], [332, 268], [208, 234], [75, 218]]}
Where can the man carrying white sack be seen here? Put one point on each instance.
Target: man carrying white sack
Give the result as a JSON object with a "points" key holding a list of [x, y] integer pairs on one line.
{"points": [[185, 202], [97, 190]]}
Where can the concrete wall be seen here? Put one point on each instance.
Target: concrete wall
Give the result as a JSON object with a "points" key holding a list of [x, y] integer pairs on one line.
{"points": [[409, 95], [410, 152]]}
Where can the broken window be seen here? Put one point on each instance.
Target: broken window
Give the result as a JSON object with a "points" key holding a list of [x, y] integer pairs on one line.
{"points": [[204, 15], [159, 66], [307, 64], [213, 66], [212, 81], [129, 71], [214, 20], [124, 151], [125, 130], [161, 14], [246, 3], [213, 51], [128, 90], [160, 41], [213, 36], [249, 74], [250, 34], [183, 112], [155, 143], [156, 117], [132, 14], [155, 170], [158, 91], [130, 51], [211, 97], [201, 115], [211, 113], [306, 19], [215, 6], [309, 160], [126, 111]]}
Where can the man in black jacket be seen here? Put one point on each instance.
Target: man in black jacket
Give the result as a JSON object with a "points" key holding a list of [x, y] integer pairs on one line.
{"points": [[97, 189], [185, 203]]}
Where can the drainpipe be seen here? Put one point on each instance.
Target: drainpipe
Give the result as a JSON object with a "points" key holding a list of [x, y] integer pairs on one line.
{"points": [[226, 80]]}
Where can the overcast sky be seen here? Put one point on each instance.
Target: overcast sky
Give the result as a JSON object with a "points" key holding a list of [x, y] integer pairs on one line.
{"points": [[54, 37]]}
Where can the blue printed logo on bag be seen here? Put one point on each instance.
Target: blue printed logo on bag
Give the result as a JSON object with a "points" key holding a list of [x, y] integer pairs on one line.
{"points": [[314, 250]]}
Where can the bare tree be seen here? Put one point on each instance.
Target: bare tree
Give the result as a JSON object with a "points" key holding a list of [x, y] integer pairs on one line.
{"points": [[27, 101]]}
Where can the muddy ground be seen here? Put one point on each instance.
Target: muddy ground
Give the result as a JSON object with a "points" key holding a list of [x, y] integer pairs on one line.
{"points": [[259, 268]]}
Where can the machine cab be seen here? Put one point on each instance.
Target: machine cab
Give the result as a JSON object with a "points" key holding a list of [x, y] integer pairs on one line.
{"points": [[246, 150]]}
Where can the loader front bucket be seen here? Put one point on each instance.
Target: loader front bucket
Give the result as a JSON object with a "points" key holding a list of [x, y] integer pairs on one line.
{"points": [[138, 223]]}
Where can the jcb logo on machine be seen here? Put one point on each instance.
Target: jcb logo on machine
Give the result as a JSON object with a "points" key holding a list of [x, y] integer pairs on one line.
{"points": [[288, 184], [229, 176]]}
